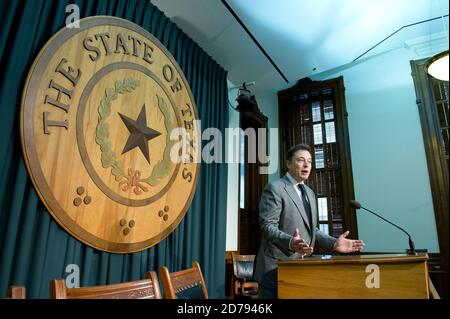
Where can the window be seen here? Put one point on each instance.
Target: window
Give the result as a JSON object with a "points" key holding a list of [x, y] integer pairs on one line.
{"points": [[440, 92], [314, 113], [433, 104]]}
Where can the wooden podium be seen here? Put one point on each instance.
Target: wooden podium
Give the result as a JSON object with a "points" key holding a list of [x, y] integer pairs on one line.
{"points": [[398, 276]]}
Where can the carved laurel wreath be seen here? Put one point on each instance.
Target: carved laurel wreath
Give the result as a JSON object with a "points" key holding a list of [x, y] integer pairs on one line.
{"points": [[108, 157]]}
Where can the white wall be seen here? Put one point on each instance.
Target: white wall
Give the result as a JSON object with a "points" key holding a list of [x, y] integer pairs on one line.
{"points": [[268, 105], [389, 164], [233, 179]]}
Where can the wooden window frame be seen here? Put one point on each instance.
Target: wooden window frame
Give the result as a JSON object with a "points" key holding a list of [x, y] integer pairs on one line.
{"points": [[437, 170], [305, 86]]}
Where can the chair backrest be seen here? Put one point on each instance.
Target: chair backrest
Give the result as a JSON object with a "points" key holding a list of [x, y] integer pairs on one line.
{"points": [[242, 283], [140, 289], [16, 292], [184, 284], [243, 266]]}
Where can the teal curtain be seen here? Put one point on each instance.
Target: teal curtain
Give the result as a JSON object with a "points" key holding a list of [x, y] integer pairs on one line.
{"points": [[33, 248]]}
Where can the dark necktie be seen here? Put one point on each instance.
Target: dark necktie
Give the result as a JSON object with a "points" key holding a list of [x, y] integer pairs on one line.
{"points": [[306, 204]]}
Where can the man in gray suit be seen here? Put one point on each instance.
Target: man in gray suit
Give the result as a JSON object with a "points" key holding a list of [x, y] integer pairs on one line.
{"points": [[288, 219]]}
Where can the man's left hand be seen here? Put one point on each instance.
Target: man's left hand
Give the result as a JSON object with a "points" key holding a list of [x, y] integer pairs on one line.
{"points": [[344, 245]]}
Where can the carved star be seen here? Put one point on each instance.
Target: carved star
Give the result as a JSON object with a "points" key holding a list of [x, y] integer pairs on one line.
{"points": [[140, 134]]}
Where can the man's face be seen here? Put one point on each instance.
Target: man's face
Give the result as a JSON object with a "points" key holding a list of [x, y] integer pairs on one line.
{"points": [[300, 165]]}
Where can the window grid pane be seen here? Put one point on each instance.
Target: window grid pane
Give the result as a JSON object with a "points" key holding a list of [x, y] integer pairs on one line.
{"points": [[320, 162], [316, 111], [315, 124], [323, 208], [441, 98], [330, 132], [317, 132], [328, 110]]}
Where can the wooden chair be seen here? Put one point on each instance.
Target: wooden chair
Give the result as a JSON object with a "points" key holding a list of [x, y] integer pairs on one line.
{"points": [[242, 284], [184, 284], [16, 292], [141, 289]]}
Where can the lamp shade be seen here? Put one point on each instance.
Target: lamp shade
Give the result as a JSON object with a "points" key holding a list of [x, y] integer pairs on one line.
{"points": [[437, 66]]}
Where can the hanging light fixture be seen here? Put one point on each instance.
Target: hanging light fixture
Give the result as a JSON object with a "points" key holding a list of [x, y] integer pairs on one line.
{"points": [[437, 66]]}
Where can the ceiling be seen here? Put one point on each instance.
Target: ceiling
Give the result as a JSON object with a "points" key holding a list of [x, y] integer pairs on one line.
{"points": [[303, 38]]}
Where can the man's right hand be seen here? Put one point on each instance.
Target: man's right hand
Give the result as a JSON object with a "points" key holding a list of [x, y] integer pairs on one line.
{"points": [[299, 245]]}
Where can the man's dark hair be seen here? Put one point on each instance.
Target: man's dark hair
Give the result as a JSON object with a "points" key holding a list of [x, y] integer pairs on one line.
{"points": [[295, 148]]}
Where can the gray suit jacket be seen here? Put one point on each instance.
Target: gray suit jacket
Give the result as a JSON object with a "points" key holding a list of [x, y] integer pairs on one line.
{"points": [[281, 211]]}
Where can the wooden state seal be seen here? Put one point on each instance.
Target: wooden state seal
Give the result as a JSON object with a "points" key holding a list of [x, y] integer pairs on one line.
{"points": [[99, 111]]}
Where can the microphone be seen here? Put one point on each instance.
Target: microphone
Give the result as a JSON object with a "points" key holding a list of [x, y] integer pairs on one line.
{"points": [[356, 205]]}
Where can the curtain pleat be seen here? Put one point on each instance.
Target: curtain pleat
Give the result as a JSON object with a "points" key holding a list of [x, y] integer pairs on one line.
{"points": [[33, 248]]}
